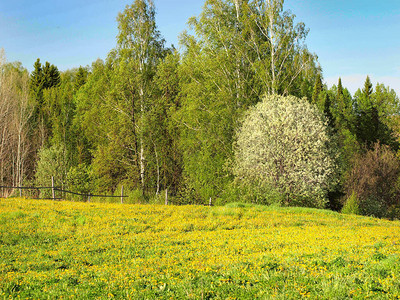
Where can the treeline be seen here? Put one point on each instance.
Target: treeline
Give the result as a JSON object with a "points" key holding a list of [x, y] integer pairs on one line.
{"points": [[153, 118]]}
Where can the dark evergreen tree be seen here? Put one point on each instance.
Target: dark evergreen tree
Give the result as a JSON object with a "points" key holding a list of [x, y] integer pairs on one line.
{"points": [[46, 75], [317, 89], [327, 109], [42, 78], [339, 92], [51, 76], [55, 79], [368, 90], [371, 124], [81, 78], [36, 81]]}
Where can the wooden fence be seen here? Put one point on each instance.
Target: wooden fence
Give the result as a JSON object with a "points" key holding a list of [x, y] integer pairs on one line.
{"points": [[55, 189]]}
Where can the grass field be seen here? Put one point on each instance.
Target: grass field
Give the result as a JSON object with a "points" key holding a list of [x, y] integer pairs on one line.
{"points": [[75, 250]]}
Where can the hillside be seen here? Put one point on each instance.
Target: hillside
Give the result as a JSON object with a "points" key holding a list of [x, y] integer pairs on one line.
{"points": [[71, 249]]}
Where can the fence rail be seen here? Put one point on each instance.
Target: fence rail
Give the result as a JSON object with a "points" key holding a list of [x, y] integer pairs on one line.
{"points": [[89, 195], [55, 189], [29, 187]]}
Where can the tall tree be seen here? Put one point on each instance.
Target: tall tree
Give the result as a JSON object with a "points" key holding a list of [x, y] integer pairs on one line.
{"points": [[15, 113], [339, 91], [51, 76], [367, 90], [41, 79], [36, 81], [317, 89], [374, 115], [217, 84], [141, 46], [226, 67], [80, 78], [282, 58], [116, 102], [161, 128]]}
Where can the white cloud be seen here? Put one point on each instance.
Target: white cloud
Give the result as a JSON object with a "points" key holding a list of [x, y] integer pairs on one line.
{"points": [[354, 82]]}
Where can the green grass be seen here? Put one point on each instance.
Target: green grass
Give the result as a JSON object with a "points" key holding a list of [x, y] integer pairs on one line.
{"points": [[73, 250]]}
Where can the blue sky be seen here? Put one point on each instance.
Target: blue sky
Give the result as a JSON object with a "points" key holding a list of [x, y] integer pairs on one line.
{"points": [[352, 38]]}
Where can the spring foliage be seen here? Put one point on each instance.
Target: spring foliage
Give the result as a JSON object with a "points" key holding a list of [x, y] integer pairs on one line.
{"points": [[284, 145]]}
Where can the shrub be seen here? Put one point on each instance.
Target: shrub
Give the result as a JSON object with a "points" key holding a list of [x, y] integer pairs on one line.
{"points": [[351, 205], [374, 181], [284, 147], [78, 180], [51, 163]]}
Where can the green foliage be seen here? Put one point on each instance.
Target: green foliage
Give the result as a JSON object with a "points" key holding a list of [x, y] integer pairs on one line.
{"points": [[120, 110], [374, 112], [80, 78], [161, 128], [42, 80], [155, 119], [367, 90], [78, 180], [284, 144], [351, 205], [225, 68], [51, 76], [318, 88], [36, 82], [51, 163]]}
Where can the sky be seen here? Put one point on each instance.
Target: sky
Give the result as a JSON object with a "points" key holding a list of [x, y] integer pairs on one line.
{"points": [[352, 38]]}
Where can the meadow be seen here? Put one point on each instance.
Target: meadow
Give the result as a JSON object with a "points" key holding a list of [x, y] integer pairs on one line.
{"points": [[51, 249]]}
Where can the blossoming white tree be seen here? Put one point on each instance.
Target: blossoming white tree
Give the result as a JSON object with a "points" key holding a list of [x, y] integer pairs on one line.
{"points": [[284, 145]]}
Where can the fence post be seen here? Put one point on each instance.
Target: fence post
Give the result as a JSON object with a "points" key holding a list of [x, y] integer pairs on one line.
{"points": [[20, 192], [52, 187], [122, 194], [88, 197], [166, 196], [209, 203]]}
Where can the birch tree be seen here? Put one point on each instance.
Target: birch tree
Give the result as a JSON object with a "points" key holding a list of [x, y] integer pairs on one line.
{"points": [[23, 113], [15, 113], [240, 51], [6, 112], [140, 46], [282, 57], [115, 104]]}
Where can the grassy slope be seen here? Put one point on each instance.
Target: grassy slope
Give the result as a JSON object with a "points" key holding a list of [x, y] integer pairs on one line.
{"points": [[52, 249]]}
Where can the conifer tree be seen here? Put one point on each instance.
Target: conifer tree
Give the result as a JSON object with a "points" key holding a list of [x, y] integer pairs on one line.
{"points": [[46, 75], [368, 90], [42, 78], [36, 80], [51, 76], [373, 115], [54, 74], [81, 78], [327, 110], [339, 90], [317, 89]]}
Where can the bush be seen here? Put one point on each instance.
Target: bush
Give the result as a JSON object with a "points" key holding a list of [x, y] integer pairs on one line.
{"points": [[351, 205], [51, 163], [78, 180], [284, 150], [374, 180]]}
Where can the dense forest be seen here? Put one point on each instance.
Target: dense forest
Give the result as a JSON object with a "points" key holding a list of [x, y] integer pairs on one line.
{"points": [[152, 118]]}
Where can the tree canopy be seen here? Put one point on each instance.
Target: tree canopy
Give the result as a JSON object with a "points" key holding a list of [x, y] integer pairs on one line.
{"points": [[241, 113]]}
